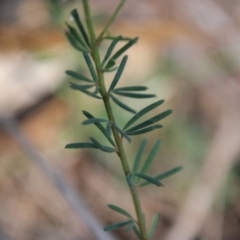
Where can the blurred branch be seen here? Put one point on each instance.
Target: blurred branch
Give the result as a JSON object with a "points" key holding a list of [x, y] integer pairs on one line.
{"points": [[12, 127], [219, 161]]}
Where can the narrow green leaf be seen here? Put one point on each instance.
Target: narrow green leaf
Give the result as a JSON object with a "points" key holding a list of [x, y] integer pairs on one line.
{"points": [[109, 66], [130, 227], [122, 50], [164, 175], [137, 232], [96, 90], [80, 145], [78, 87], [149, 179], [139, 155], [110, 70], [134, 95], [118, 73], [110, 49], [131, 88], [90, 66], [100, 127], [102, 147], [169, 173], [121, 104], [151, 156], [81, 87], [78, 21], [78, 38], [144, 130], [117, 225], [143, 112], [153, 225], [93, 120], [120, 210], [78, 76], [74, 43], [151, 120], [122, 133]]}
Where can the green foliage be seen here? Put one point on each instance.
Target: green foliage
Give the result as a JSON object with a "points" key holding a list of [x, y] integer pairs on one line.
{"points": [[153, 226], [81, 28], [151, 157], [119, 73], [163, 175], [118, 225], [78, 76], [110, 50], [121, 104], [85, 41], [120, 210], [139, 155]]}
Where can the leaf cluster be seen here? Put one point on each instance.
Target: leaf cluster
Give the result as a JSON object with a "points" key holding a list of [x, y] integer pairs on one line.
{"points": [[130, 223], [79, 38]]}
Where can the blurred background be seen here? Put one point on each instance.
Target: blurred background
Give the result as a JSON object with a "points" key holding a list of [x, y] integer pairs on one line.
{"points": [[188, 54]]}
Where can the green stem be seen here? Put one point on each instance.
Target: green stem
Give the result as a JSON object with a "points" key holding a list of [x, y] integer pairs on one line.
{"points": [[106, 100], [111, 19]]}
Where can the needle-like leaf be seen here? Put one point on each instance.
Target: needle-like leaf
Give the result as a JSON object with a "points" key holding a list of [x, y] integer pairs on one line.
{"points": [[139, 155], [102, 147], [110, 49], [120, 210], [90, 66], [78, 21], [163, 175], [121, 104], [109, 66], [75, 34], [118, 73], [122, 50], [149, 179], [117, 225], [151, 121], [131, 88], [134, 95], [94, 120], [74, 43], [143, 112], [153, 225], [144, 130], [82, 89], [151, 156], [78, 76], [80, 145], [100, 127], [110, 69]]}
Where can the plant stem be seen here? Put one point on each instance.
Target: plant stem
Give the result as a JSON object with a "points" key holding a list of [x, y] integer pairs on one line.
{"points": [[106, 100], [111, 19]]}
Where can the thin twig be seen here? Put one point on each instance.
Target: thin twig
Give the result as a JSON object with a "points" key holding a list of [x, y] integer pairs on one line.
{"points": [[112, 18]]}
